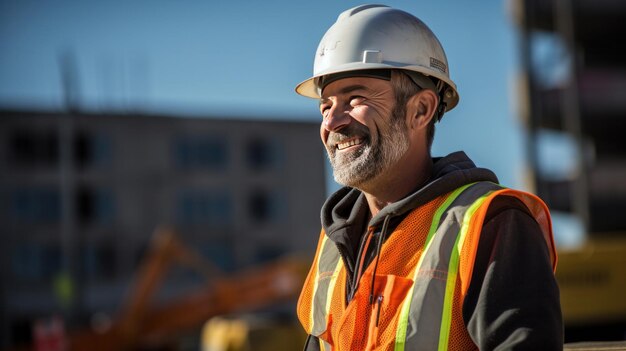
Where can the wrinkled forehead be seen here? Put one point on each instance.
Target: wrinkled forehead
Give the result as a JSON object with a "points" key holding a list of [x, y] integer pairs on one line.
{"points": [[355, 86]]}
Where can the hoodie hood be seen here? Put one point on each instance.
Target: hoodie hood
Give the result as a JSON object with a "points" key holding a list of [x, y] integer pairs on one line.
{"points": [[345, 212]]}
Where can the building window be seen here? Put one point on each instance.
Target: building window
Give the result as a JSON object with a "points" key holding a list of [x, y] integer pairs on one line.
{"points": [[34, 147], [201, 153], [205, 207], [83, 152], [94, 206], [99, 261], [263, 153], [36, 205], [35, 262], [266, 206], [91, 150], [220, 253]]}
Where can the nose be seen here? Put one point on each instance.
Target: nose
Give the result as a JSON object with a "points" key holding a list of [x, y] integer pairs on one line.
{"points": [[336, 119]]}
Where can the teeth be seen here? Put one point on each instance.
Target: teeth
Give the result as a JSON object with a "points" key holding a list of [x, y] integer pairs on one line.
{"points": [[349, 143]]}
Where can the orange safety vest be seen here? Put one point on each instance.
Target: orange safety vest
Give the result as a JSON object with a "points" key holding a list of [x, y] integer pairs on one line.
{"points": [[424, 271]]}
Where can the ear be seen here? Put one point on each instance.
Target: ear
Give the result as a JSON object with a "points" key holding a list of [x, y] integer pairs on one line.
{"points": [[421, 108]]}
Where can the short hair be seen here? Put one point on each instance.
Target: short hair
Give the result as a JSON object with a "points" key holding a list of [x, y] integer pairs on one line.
{"points": [[404, 88]]}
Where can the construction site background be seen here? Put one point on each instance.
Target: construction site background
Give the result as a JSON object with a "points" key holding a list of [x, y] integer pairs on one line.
{"points": [[132, 230]]}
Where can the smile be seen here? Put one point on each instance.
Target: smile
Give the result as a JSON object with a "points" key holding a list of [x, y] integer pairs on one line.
{"points": [[347, 144]]}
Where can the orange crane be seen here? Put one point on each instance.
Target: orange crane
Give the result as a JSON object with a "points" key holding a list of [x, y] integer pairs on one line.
{"points": [[142, 325]]}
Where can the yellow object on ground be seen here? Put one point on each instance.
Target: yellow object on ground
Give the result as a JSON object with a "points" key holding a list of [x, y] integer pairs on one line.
{"points": [[592, 280]]}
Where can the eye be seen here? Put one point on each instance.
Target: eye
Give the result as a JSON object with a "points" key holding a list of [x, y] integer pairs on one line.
{"points": [[356, 100], [324, 108]]}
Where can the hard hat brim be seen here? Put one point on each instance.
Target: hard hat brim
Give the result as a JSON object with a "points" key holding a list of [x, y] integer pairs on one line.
{"points": [[309, 88]]}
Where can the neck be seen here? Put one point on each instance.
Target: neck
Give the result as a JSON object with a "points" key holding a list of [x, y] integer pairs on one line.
{"points": [[397, 182]]}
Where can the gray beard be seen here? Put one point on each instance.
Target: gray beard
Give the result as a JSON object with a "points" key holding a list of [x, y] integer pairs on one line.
{"points": [[359, 168]]}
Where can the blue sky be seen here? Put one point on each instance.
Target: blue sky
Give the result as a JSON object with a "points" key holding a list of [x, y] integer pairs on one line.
{"points": [[243, 58]]}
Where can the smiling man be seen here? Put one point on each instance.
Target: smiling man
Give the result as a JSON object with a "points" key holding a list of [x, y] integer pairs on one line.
{"points": [[416, 252]]}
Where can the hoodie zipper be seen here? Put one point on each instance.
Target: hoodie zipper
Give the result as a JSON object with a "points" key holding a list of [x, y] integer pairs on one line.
{"points": [[381, 238], [353, 282]]}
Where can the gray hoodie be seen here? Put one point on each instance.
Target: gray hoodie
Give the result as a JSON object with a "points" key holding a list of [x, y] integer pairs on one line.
{"points": [[513, 298]]}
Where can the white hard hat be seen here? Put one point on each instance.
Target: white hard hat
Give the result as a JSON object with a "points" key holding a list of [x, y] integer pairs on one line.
{"points": [[374, 37]]}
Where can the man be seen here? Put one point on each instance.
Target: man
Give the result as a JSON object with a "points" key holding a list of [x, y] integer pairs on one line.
{"points": [[416, 253]]}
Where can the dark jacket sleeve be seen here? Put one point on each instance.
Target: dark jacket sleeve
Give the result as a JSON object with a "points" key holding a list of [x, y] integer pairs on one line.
{"points": [[513, 298]]}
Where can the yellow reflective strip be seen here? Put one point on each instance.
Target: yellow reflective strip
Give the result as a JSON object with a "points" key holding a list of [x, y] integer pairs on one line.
{"points": [[453, 270], [406, 304], [331, 288], [315, 284], [437, 217], [468, 215]]}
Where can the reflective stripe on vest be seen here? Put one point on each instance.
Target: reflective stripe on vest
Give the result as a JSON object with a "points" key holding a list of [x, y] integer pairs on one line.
{"points": [[424, 316], [328, 268], [427, 310]]}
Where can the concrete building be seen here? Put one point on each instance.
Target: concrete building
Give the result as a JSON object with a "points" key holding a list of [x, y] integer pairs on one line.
{"points": [[87, 191]]}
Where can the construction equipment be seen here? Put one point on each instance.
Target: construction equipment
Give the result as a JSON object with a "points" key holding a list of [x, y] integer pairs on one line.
{"points": [[251, 333], [142, 325]]}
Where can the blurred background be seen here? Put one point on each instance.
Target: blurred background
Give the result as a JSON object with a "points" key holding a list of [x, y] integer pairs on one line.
{"points": [[161, 181]]}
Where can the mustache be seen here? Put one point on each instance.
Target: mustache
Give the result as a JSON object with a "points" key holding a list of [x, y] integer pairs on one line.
{"points": [[350, 131]]}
